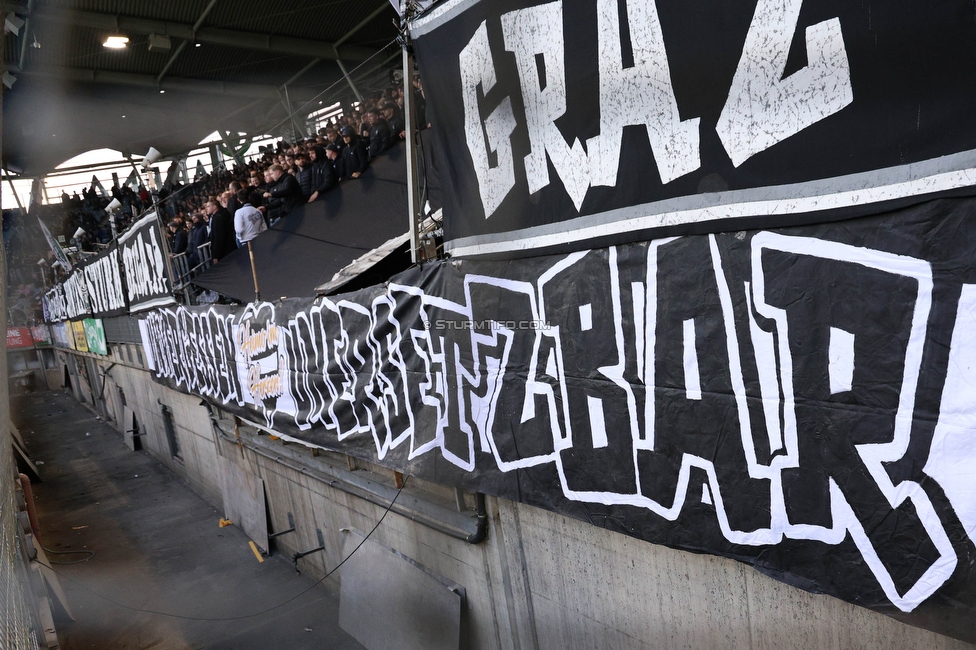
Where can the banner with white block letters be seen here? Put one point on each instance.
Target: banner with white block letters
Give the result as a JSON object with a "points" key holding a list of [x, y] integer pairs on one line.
{"points": [[801, 399], [571, 124]]}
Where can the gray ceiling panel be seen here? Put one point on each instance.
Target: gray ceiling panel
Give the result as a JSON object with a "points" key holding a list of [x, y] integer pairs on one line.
{"points": [[72, 92]]}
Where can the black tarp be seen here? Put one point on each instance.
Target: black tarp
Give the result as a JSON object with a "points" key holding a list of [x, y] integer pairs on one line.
{"points": [[307, 247], [800, 399]]}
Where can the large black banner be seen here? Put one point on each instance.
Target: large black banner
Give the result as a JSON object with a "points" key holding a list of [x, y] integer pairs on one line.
{"points": [[76, 295], [143, 253], [94, 287], [801, 399], [574, 122], [103, 280], [54, 304]]}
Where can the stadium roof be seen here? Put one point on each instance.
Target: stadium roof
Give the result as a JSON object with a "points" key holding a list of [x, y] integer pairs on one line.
{"points": [[225, 67]]}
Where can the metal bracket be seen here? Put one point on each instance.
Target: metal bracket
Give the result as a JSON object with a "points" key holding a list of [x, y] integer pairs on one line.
{"points": [[291, 529], [297, 556]]}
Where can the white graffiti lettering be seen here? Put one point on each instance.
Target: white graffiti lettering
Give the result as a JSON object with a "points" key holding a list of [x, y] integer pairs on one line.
{"points": [[785, 395], [762, 109]]}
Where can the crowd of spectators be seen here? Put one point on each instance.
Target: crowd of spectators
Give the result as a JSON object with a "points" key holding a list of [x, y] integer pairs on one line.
{"points": [[228, 208]]}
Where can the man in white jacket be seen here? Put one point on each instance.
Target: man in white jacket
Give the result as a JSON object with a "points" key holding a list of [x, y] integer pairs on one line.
{"points": [[248, 220]]}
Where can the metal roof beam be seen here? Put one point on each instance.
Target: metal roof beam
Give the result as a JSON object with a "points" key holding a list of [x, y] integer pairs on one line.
{"points": [[182, 45], [208, 35], [176, 84]]}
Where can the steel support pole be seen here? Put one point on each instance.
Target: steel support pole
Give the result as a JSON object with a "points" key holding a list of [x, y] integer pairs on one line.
{"points": [[345, 74], [342, 66], [291, 114], [413, 183], [182, 45]]}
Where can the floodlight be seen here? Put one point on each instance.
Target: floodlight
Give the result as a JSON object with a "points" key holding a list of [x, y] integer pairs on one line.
{"points": [[116, 42]]}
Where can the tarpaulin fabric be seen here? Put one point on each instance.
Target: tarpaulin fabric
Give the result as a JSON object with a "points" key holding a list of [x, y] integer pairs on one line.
{"points": [[306, 248], [800, 399], [570, 123]]}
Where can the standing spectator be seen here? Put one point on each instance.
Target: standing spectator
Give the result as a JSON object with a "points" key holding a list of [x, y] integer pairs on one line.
{"points": [[222, 240], [394, 117], [379, 133], [178, 238], [283, 195], [232, 201], [334, 154], [304, 175], [355, 158], [198, 237], [248, 220], [323, 173], [333, 137]]}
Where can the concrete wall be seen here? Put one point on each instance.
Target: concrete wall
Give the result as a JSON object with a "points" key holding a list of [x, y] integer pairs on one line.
{"points": [[540, 580]]}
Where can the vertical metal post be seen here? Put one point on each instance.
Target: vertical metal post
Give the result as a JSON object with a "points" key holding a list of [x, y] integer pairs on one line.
{"points": [[254, 273], [291, 114], [413, 182]]}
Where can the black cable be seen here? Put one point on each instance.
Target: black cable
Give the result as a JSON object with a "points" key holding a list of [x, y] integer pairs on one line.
{"points": [[245, 616], [91, 554]]}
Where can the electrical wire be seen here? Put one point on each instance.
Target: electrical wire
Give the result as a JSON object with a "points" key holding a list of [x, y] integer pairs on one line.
{"points": [[244, 616], [330, 87], [91, 554]]}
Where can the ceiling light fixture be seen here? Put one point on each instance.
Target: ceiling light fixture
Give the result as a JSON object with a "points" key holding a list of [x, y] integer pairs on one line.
{"points": [[197, 45], [116, 42]]}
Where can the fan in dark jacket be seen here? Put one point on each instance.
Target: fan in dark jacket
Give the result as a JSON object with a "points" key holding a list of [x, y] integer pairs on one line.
{"points": [[179, 240], [198, 237], [379, 133], [304, 175], [355, 158], [334, 154], [394, 117], [223, 241], [323, 173], [284, 193]]}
